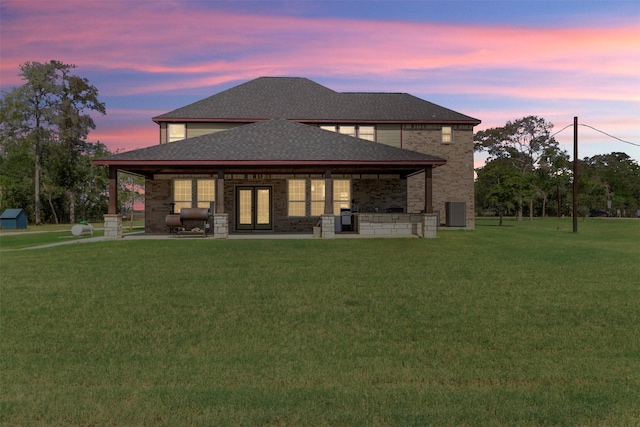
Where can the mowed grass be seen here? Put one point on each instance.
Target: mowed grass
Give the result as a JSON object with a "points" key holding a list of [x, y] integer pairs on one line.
{"points": [[525, 324]]}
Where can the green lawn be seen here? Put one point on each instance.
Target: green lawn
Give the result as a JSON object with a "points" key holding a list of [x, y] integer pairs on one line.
{"points": [[525, 324]]}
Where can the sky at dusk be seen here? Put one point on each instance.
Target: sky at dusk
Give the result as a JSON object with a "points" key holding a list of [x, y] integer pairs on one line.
{"points": [[492, 60]]}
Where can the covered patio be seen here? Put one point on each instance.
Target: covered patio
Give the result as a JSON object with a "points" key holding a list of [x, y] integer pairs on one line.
{"points": [[260, 160]]}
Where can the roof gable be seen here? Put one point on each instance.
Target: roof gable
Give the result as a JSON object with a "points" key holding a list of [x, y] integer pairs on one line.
{"points": [[12, 213], [301, 99], [275, 140]]}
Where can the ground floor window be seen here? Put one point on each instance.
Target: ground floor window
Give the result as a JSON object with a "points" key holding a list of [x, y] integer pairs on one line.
{"points": [[206, 193], [317, 197], [189, 193], [341, 195], [307, 197], [297, 197]]}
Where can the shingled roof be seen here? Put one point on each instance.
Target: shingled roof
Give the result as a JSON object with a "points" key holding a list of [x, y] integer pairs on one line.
{"points": [[273, 142], [300, 99]]}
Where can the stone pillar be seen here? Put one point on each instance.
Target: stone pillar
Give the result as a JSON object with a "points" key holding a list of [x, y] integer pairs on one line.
{"points": [[328, 226], [112, 227], [221, 226], [429, 226]]}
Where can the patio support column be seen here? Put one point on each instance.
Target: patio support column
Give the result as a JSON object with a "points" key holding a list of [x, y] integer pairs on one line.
{"points": [[428, 190], [328, 220], [113, 220], [113, 190], [328, 193], [220, 192]]}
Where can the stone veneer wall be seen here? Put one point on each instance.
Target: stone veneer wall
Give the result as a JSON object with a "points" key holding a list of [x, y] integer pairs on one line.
{"points": [[112, 226], [452, 182], [388, 224]]}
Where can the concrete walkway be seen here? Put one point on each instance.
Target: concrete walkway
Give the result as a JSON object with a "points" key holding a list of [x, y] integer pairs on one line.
{"points": [[141, 235]]}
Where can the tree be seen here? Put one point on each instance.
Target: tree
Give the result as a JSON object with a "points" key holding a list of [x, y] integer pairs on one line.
{"points": [[552, 175], [498, 186], [131, 190], [51, 108], [526, 144], [610, 181]]}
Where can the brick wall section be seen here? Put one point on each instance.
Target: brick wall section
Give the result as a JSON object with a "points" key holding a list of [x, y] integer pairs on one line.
{"points": [[452, 182], [387, 191], [157, 199]]}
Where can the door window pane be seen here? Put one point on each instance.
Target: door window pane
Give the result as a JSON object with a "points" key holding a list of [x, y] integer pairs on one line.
{"points": [[264, 210], [244, 210]]}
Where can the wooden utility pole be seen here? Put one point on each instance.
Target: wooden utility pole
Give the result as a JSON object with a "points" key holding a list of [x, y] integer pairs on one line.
{"points": [[575, 174]]}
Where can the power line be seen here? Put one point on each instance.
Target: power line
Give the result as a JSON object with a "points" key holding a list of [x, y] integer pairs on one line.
{"points": [[610, 136], [567, 126], [597, 130]]}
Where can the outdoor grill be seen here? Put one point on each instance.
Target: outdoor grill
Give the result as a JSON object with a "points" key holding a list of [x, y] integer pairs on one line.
{"points": [[175, 222]]}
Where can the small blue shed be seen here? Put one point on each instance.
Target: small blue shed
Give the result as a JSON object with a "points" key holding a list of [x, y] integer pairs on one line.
{"points": [[12, 219]]}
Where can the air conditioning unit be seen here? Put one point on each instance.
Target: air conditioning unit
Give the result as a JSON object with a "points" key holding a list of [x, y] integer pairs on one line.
{"points": [[456, 214]]}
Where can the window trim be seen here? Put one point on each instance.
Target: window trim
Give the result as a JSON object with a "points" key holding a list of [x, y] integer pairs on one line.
{"points": [[336, 202], [356, 128], [175, 125], [444, 134], [195, 196], [297, 202]]}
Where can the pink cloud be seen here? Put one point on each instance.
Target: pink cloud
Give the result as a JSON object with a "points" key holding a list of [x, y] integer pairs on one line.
{"points": [[106, 36], [177, 46]]}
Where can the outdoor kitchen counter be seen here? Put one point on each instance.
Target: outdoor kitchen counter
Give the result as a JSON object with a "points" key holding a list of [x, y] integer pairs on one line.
{"points": [[385, 224]]}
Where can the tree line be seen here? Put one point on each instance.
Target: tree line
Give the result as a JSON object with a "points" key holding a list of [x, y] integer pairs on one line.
{"points": [[45, 154], [527, 173]]}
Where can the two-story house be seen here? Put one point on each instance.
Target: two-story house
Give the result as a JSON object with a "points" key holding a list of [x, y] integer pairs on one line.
{"points": [[280, 154]]}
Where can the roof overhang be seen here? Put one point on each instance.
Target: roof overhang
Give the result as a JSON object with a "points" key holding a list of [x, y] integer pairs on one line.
{"points": [[159, 120], [151, 168]]}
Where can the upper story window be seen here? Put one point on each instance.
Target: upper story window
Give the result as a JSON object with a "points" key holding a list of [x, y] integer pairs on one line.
{"points": [[447, 135], [347, 130], [367, 132], [176, 132], [363, 132]]}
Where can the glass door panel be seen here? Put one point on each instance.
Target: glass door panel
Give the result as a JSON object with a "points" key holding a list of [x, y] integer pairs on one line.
{"points": [[263, 205], [245, 207], [253, 208]]}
